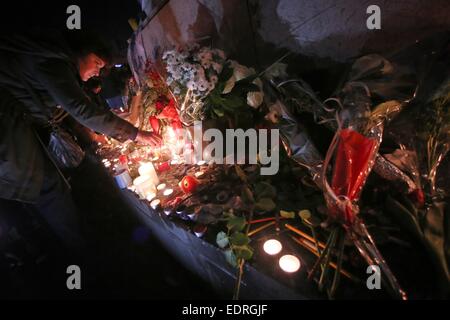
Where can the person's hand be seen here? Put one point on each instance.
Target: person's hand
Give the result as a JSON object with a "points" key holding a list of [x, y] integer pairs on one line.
{"points": [[148, 138]]}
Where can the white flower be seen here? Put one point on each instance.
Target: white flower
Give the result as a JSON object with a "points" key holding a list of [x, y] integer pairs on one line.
{"points": [[214, 79], [206, 64], [229, 85], [255, 99], [217, 67], [240, 72], [191, 85], [273, 116], [220, 53], [176, 75], [202, 85]]}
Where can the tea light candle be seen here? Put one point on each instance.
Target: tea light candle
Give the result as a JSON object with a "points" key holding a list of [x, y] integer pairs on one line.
{"points": [[199, 174], [199, 230], [155, 204], [150, 196], [161, 186], [272, 246], [168, 192], [289, 263]]}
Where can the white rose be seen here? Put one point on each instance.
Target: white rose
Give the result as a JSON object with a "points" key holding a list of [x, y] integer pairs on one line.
{"points": [[229, 85], [240, 72]]}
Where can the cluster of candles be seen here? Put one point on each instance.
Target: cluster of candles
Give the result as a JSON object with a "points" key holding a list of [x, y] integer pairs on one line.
{"points": [[288, 263]]}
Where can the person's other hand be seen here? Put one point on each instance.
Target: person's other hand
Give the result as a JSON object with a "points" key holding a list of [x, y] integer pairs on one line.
{"points": [[148, 138]]}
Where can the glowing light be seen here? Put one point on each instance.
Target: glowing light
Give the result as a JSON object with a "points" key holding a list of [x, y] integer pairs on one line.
{"points": [[150, 196], [168, 192], [155, 204], [201, 163], [161, 186], [272, 246], [199, 174], [289, 263]]}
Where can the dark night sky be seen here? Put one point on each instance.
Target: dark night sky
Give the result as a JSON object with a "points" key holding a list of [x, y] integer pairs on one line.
{"points": [[108, 18]]}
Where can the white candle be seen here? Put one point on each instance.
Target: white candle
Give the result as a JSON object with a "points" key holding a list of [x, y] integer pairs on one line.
{"points": [[150, 196], [289, 263], [147, 169], [168, 192], [161, 186], [272, 246], [144, 185]]}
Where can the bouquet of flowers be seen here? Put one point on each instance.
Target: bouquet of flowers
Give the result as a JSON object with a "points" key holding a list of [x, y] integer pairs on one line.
{"points": [[158, 111], [209, 86]]}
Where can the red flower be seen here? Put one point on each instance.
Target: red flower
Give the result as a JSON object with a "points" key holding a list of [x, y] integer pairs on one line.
{"points": [[154, 123], [169, 112], [164, 166]]}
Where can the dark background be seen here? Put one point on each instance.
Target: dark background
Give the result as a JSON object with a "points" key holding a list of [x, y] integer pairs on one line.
{"points": [[106, 18]]}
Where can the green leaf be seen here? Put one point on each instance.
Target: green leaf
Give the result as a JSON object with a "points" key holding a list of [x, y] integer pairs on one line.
{"points": [[231, 257], [287, 214], [239, 239], [222, 239], [265, 204], [236, 224], [265, 190], [244, 252], [218, 111]]}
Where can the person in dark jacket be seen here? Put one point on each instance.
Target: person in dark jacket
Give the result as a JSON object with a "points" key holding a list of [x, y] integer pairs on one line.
{"points": [[50, 67]]}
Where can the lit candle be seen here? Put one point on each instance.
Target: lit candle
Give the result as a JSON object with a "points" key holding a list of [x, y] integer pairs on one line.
{"points": [[289, 263], [199, 230], [147, 169], [150, 196], [199, 174], [168, 192], [272, 246], [161, 186], [144, 185], [155, 204]]}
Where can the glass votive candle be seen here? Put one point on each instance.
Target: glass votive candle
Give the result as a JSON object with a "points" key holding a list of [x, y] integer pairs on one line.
{"points": [[167, 192], [155, 204], [272, 246], [161, 186], [289, 263]]}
